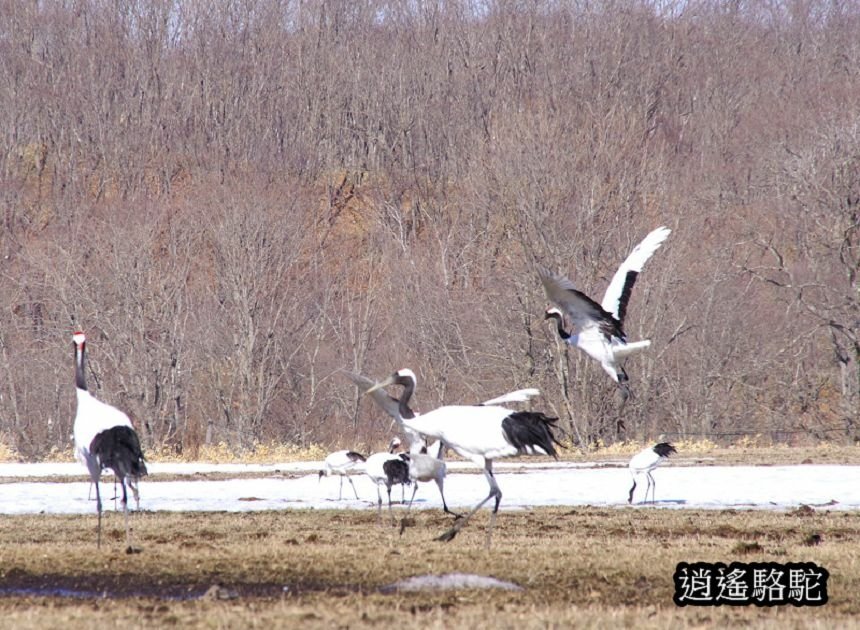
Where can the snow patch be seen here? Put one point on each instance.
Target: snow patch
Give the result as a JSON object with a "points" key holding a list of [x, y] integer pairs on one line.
{"points": [[449, 581], [524, 485]]}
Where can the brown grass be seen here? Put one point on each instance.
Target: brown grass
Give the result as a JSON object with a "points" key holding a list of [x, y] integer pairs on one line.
{"points": [[268, 453], [7, 453], [744, 451], [585, 567], [747, 450]]}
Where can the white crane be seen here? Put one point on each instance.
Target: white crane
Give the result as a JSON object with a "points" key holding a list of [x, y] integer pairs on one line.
{"points": [[342, 463], [478, 433], [104, 438], [401, 411], [426, 467], [597, 329], [644, 462], [387, 468]]}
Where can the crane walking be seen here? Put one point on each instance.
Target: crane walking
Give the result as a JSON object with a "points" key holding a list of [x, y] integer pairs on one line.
{"points": [[425, 467], [479, 433]]}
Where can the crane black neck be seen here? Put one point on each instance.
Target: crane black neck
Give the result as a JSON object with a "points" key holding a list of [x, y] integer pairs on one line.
{"points": [[562, 332], [559, 325], [80, 359], [403, 404]]}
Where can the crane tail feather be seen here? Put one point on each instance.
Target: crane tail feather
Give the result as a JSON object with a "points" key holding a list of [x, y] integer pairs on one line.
{"points": [[355, 457], [530, 432], [118, 448], [664, 449]]}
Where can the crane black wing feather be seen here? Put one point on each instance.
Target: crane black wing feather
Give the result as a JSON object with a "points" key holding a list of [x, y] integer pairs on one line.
{"points": [[581, 309], [664, 449], [397, 471], [626, 290], [528, 431], [118, 448]]}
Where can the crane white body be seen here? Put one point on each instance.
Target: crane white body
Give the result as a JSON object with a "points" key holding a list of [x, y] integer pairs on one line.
{"points": [[342, 463], [472, 431], [388, 469], [104, 438], [92, 417], [597, 329], [479, 434]]}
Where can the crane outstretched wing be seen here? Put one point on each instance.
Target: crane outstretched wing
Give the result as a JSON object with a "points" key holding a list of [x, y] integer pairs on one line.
{"points": [[618, 292]]}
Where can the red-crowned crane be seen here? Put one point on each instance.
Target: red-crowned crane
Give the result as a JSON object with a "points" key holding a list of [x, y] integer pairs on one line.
{"points": [[426, 466], [597, 329], [387, 468], [342, 463], [401, 411], [644, 462], [480, 433], [105, 438]]}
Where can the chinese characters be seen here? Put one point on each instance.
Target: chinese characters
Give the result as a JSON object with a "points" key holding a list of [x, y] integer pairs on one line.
{"points": [[742, 584]]}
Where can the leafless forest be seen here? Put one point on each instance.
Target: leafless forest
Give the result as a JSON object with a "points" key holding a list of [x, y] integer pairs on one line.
{"points": [[236, 200]]}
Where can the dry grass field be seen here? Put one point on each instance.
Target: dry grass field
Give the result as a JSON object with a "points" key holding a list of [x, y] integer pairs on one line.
{"points": [[585, 567]]}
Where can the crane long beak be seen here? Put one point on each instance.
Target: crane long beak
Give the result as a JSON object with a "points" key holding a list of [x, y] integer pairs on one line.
{"points": [[383, 383]]}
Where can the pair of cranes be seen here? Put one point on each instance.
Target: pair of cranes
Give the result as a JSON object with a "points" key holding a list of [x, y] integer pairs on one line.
{"points": [[105, 438], [600, 334]]}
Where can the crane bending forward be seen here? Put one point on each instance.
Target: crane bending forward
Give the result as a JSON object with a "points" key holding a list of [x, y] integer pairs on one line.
{"points": [[480, 433]]}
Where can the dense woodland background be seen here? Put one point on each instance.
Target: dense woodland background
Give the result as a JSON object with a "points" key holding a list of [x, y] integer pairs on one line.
{"points": [[236, 200]]}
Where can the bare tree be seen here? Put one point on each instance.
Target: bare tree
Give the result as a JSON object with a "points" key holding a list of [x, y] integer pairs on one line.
{"points": [[239, 200]]}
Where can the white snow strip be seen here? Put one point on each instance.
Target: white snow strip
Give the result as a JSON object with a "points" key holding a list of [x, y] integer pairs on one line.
{"points": [[709, 487], [74, 469], [449, 581]]}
